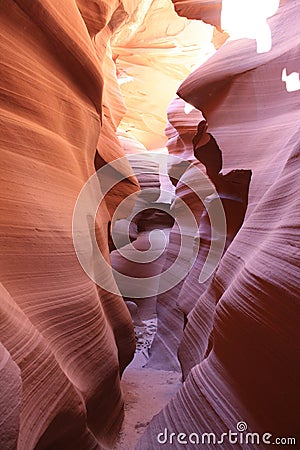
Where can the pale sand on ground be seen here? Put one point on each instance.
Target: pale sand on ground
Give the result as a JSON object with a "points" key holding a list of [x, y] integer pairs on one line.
{"points": [[146, 391]]}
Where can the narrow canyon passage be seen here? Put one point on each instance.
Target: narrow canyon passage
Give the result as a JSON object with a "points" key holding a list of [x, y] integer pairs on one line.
{"points": [[154, 376], [149, 224]]}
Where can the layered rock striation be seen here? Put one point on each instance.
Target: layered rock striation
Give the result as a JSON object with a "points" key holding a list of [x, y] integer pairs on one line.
{"points": [[239, 346], [67, 70], [65, 342]]}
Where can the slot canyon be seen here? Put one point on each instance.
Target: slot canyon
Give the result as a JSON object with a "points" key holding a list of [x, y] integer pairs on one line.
{"points": [[149, 224]]}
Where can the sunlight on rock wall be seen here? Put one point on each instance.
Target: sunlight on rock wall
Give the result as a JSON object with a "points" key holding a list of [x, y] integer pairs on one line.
{"points": [[152, 60]]}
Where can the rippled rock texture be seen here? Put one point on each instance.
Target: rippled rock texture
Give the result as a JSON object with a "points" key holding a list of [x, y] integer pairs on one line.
{"points": [[61, 108], [239, 348], [64, 342], [147, 50], [67, 70]]}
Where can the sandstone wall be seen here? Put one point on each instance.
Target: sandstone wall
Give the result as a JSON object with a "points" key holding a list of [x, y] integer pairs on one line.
{"points": [[240, 344], [67, 342]]}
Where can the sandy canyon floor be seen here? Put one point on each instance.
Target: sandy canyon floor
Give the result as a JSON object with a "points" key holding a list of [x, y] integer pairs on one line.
{"points": [[146, 391]]}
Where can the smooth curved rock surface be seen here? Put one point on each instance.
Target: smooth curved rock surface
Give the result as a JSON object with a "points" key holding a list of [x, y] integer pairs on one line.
{"points": [[207, 10], [170, 318], [225, 194], [49, 405], [240, 344], [10, 386], [69, 341], [64, 342], [109, 147], [134, 237], [152, 61]]}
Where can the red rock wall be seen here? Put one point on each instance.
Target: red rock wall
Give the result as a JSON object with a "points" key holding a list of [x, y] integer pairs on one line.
{"points": [[240, 345], [207, 10], [155, 50], [10, 399], [64, 342], [68, 342]]}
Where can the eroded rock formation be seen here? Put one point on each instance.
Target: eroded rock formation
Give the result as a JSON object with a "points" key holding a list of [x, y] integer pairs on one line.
{"points": [[68, 341], [67, 71], [147, 49], [228, 196], [239, 346]]}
